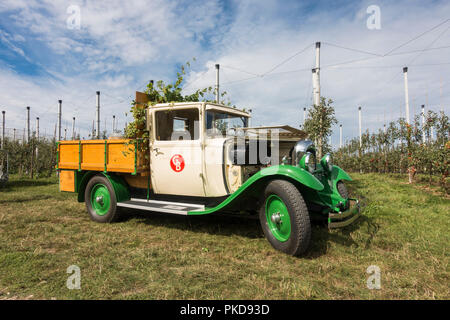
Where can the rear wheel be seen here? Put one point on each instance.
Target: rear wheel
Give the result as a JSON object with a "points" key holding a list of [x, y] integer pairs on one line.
{"points": [[100, 200], [284, 218]]}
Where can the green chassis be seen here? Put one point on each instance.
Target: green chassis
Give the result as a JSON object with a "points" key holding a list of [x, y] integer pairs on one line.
{"points": [[319, 188]]}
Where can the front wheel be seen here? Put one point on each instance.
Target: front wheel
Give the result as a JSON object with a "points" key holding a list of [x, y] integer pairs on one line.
{"points": [[343, 192], [100, 200], [284, 218]]}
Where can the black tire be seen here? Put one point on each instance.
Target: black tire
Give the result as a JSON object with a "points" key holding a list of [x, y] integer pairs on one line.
{"points": [[300, 233], [342, 189], [112, 213]]}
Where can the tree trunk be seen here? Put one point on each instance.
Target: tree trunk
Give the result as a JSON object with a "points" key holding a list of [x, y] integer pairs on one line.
{"points": [[411, 174]]}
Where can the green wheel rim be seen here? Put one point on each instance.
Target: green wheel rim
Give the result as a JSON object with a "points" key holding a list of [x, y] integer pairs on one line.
{"points": [[277, 216], [100, 199]]}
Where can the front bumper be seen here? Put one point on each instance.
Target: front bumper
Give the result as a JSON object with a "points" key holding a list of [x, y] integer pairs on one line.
{"points": [[342, 219]]}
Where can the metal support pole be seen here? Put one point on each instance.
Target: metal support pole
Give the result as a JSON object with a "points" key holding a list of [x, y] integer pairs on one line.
{"points": [[37, 139], [423, 124], [114, 124], [73, 128], [217, 84], [316, 77], [3, 130], [360, 127], [37, 128], [59, 120], [98, 115], [405, 73], [340, 136], [304, 117], [28, 124]]}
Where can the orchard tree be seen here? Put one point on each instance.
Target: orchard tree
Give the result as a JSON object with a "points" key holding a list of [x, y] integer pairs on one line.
{"points": [[318, 124], [161, 92]]}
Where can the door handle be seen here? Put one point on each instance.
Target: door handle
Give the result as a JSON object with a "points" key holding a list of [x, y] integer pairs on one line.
{"points": [[157, 152]]}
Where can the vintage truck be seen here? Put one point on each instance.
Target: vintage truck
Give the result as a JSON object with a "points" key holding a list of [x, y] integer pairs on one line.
{"points": [[203, 158]]}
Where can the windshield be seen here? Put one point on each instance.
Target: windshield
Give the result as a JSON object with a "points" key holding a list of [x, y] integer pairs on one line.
{"points": [[222, 123]]}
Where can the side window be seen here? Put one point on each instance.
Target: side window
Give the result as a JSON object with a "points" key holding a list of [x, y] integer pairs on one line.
{"points": [[182, 124]]}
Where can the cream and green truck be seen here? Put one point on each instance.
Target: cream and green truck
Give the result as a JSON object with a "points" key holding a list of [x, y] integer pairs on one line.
{"points": [[203, 158]]}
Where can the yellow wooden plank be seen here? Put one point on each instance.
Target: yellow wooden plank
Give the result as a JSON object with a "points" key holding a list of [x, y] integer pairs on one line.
{"points": [[67, 180]]}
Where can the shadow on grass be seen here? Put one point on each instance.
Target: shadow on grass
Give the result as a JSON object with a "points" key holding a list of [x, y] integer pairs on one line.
{"points": [[214, 224], [249, 227], [321, 236], [27, 199], [10, 185]]}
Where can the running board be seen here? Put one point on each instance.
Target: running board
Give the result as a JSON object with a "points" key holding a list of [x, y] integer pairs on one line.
{"points": [[161, 206]]}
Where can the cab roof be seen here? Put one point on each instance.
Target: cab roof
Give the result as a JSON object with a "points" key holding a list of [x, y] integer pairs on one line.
{"points": [[211, 105]]}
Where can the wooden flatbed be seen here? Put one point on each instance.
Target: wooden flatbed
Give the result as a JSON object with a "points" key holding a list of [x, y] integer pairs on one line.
{"points": [[109, 155]]}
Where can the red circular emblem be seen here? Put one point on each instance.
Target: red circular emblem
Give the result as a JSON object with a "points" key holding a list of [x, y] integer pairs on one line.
{"points": [[177, 163]]}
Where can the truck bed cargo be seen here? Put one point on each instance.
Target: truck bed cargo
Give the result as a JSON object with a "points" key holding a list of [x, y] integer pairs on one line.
{"points": [[109, 155]]}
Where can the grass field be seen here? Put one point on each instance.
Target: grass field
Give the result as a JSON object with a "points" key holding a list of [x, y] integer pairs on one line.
{"points": [[404, 230]]}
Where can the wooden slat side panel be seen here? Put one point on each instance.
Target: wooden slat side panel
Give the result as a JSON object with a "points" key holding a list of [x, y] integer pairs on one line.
{"points": [[93, 155], [120, 157], [67, 180], [68, 156]]}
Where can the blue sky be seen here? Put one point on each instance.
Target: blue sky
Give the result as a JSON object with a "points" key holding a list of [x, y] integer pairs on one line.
{"points": [[121, 45]]}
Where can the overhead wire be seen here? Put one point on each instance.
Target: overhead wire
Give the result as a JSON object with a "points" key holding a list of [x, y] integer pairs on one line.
{"points": [[416, 37], [288, 59]]}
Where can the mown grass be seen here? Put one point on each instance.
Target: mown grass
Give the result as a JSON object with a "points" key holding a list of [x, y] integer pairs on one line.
{"points": [[404, 230]]}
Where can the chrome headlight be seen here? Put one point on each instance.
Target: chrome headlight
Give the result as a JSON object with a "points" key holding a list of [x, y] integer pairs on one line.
{"points": [[327, 162], [299, 151], [308, 162]]}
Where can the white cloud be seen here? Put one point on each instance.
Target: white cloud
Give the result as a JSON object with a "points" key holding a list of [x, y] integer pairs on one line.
{"points": [[121, 45], [258, 40]]}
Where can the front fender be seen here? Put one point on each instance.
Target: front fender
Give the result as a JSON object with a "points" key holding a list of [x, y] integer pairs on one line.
{"points": [[256, 182], [338, 174], [295, 173]]}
